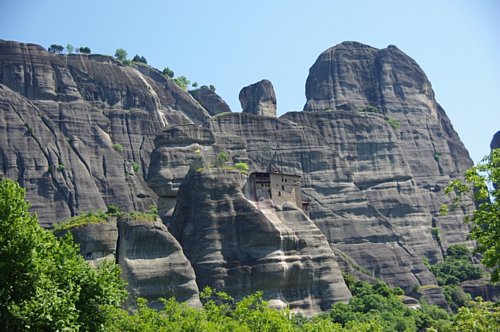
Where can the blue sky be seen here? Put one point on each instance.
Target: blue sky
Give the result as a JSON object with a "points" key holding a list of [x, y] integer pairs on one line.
{"points": [[235, 43]]}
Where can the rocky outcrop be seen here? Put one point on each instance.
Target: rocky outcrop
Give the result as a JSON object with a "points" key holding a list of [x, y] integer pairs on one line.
{"points": [[259, 99], [77, 130], [373, 155], [239, 247], [152, 261], [210, 100], [483, 288]]}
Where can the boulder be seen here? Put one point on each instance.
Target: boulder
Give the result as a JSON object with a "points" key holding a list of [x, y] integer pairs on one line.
{"points": [[259, 99], [210, 100]]}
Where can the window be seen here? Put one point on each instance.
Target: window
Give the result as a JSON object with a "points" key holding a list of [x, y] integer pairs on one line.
{"points": [[282, 187]]}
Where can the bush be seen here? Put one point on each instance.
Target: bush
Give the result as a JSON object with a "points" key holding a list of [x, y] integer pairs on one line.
{"points": [[121, 54], [242, 167], [168, 72], [85, 50], [182, 82], [139, 59], [55, 49], [393, 123], [136, 167], [118, 147], [369, 109]]}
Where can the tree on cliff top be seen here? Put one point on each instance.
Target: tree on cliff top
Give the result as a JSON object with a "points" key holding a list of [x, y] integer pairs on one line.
{"points": [[482, 183], [121, 54], [45, 284]]}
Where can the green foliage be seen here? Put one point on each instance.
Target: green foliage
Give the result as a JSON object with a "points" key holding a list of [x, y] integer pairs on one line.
{"points": [[140, 59], [85, 50], [212, 87], [221, 159], [437, 156], [45, 284], [478, 316], [485, 219], [168, 72], [113, 210], [69, 48], [118, 147], [56, 49], [121, 54], [182, 82], [393, 123], [136, 167], [194, 85], [90, 217], [381, 308], [369, 109], [455, 268], [242, 167], [60, 167]]}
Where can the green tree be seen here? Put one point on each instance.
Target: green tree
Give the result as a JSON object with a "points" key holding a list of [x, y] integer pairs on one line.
{"points": [[69, 48], [45, 284], [138, 58], [482, 184], [182, 82], [168, 72], [56, 49], [121, 54], [85, 50]]}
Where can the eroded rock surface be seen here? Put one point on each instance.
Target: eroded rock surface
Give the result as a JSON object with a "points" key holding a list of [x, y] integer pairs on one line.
{"points": [[259, 99], [77, 130], [239, 247], [210, 100], [152, 261]]}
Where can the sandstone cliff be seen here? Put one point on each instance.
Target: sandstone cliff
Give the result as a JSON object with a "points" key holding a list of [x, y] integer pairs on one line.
{"points": [[77, 130], [240, 247], [152, 261], [372, 147]]}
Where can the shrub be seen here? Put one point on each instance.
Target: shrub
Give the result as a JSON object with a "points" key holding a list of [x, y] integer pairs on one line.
{"points": [[221, 159], [182, 82], [393, 123], [242, 167], [70, 48], [136, 167], [369, 109], [85, 50], [60, 167], [121, 54], [168, 72], [118, 147], [140, 59], [212, 87], [55, 49]]}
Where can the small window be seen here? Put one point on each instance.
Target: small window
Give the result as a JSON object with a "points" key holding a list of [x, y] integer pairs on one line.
{"points": [[282, 187], [279, 193]]}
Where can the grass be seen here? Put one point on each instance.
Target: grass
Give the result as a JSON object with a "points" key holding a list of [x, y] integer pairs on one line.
{"points": [[98, 217], [118, 147], [393, 123]]}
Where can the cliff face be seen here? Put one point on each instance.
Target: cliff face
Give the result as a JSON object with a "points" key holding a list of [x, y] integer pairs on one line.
{"points": [[373, 150], [152, 261], [77, 131], [240, 246], [373, 162]]}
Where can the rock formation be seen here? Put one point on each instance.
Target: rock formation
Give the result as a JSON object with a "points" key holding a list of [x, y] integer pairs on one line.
{"points": [[241, 247], [259, 98], [373, 150], [152, 261], [77, 130], [210, 100]]}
